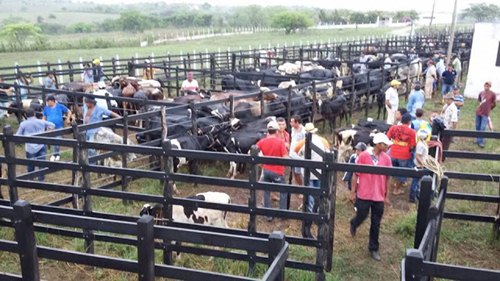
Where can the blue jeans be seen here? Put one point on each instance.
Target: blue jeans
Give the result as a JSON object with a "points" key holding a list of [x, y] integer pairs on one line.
{"points": [[310, 201], [402, 164], [91, 151], [268, 176], [415, 188], [481, 123], [56, 148], [446, 88], [39, 155]]}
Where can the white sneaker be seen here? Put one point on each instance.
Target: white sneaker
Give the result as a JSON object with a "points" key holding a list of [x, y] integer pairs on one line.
{"points": [[58, 158], [52, 158]]}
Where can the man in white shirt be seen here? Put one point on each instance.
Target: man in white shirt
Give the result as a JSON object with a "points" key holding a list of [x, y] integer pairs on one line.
{"points": [[190, 84], [449, 114], [457, 65], [430, 78], [392, 101], [298, 134]]}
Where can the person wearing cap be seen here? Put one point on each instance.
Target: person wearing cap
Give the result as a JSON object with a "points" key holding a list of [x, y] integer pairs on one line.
{"points": [[430, 79], [404, 141], [448, 76], [31, 126], [54, 112], [314, 182], [148, 70], [487, 102], [392, 101], [97, 71], [103, 92], [458, 99], [360, 147], [421, 153], [298, 134], [416, 99], [273, 146], [190, 84], [370, 191]]}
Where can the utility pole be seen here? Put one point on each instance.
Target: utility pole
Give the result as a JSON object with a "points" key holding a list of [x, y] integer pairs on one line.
{"points": [[452, 35], [432, 17]]}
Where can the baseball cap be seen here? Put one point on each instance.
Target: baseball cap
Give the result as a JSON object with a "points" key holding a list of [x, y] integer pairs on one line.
{"points": [[381, 138], [422, 134], [395, 83], [273, 125], [360, 146], [449, 96]]}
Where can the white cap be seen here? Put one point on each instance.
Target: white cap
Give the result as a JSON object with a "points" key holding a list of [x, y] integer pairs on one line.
{"points": [[101, 85], [273, 125], [381, 138]]}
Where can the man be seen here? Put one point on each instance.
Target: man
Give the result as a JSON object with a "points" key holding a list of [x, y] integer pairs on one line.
{"points": [[458, 98], [449, 114], [50, 81], [404, 140], [421, 154], [416, 99], [273, 146], [190, 84], [369, 191], [102, 91], [54, 112], [420, 124], [392, 101], [457, 65], [323, 145], [487, 101], [92, 113], [448, 76], [298, 134], [430, 79], [399, 115], [282, 133], [32, 126], [5, 93], [97, 71], [360, 147]]}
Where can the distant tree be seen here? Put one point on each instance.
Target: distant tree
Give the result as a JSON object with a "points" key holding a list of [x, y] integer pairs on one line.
{"points": [[133, 22], [12, 19], [482, 12], [406, 15], [19, 33], [291, 21], [52, 16], [357, 17], [81, 27], [39, 19], [372, 16]]}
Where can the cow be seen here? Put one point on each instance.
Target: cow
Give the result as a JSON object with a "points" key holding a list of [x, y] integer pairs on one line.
{"points": [[106, 135], [334, 107], [230, 82], [193, 214], [20, 111]]}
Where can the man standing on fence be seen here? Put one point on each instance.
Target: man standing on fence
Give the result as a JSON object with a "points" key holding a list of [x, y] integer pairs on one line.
{"points": [[54, 112], [273, 146], [369, 191], [32, 126], [487, 101]]}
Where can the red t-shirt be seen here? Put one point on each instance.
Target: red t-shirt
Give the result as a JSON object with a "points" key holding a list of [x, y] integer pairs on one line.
{"points": [[404, 139], [275, 147], [372, 186], [486, 99]]}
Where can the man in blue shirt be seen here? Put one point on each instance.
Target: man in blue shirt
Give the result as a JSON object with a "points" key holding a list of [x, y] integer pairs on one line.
{"points": [[448, 80], [32, 126], [54, 112], [416, 99], [92, 113]]}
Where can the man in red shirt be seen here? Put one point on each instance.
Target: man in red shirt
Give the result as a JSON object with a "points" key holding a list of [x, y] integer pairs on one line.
{"points": [[404, 140], [487, 101], [371, 190], [273, 146]]}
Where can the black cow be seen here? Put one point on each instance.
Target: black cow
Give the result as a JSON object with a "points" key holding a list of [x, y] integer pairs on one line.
{"points": [[334, 107], [229, 82]]}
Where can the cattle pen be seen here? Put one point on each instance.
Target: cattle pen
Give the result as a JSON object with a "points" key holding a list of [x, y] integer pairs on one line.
{"points": [[249, 241]]}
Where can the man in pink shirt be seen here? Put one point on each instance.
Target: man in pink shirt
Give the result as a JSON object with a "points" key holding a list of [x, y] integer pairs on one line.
{"points": [[371, 191]]}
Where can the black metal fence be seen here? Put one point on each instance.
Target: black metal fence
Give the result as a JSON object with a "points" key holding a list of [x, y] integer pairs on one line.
{"points": [[420, 262], [142, 234]]}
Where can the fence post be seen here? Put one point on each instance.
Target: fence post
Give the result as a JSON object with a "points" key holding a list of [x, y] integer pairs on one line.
{"points": [[424, 203], [252, 203], [231, 106], [367, 93], [83, 161], [435, 248], [125, 179], [177, 86], [289, 104], [314, 101], [19, 114], [26, 243], [10, 154], [71, 73], [145, 248], [276, 243], [74, 174], [168, 191], [331, 158], [413, 264]]}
